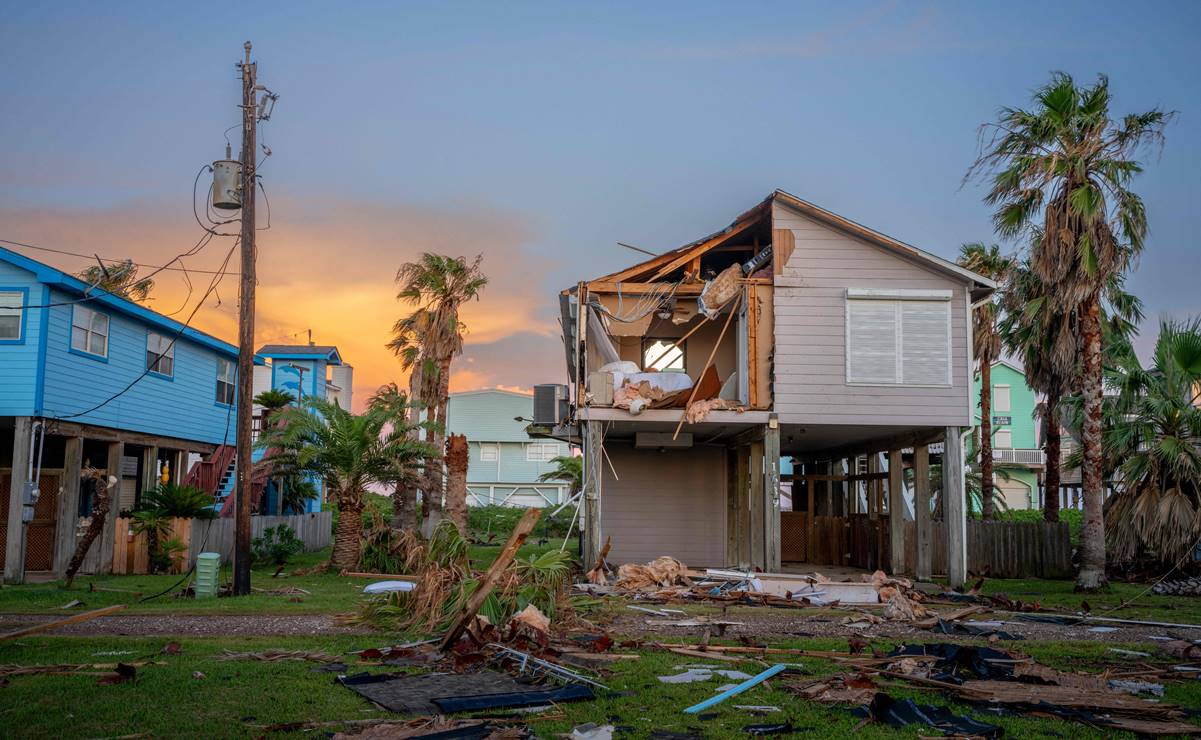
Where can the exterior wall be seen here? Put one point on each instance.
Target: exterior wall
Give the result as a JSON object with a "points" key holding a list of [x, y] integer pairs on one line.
{"points": [[19, 359], [1021, 490], [182, 406], [285, 378], [1022, 401], [666, 503], [810, 332], [512, 465]]}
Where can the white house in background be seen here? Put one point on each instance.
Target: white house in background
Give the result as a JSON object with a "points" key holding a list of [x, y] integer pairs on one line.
{"points": [[505, 462]]}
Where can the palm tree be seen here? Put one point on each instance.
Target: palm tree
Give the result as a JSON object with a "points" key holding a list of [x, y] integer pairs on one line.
{"points": [[119, 278], [390, 399], [429, 338], [347, 451], [1152, 426], [272, 401], [1061, 171], [988, 261], [568, 468]]}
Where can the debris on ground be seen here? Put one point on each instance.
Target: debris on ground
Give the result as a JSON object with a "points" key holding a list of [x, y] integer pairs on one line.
{"points": [[692, 675], [272, 656], [414, 693], [903, 713], [660, 573], [592, 731], [746, 685]]}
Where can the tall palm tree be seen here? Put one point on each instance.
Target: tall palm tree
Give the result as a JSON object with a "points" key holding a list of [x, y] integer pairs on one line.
{"points": [[349, 452], [1152, 426], [988, 261], [1062, 170], [408, 343], [119, 278], [393, 401], [436, 286]]}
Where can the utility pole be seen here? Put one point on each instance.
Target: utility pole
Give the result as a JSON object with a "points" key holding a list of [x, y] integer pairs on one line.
{"points": [[245, 376]]}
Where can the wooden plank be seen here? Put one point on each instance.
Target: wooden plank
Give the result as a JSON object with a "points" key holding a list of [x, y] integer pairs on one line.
{"points": [[68, 504], [783, 243], [771, 495], [683, 289], [524, 526], [758, 513], [752, 346], [73, 619], [923, 561], [810, 546], [896, 511]]}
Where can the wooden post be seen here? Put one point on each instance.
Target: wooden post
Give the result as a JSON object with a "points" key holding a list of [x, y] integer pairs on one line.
{"points": [[923, 566], [875, 536], [116, 451], [150, 474], [896, 511], [68, 504], [954, 507], [810, 522], [771, 495], [593, 472], [524, 526], [14, 550], [73, 619], [742, 483], [756, 496], [245, 373]]}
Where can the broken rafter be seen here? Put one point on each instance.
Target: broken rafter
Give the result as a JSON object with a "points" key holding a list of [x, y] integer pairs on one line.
{"points": [[608, 286], [695, 252]]}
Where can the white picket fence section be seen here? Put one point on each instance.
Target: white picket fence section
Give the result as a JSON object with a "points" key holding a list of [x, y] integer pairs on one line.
{"points": [[217, 535]]}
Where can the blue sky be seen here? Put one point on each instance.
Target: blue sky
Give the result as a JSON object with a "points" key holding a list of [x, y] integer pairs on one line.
{"points": [[541, 133]]}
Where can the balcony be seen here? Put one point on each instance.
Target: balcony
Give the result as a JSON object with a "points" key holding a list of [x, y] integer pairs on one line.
{"points": [[1018, 457]]}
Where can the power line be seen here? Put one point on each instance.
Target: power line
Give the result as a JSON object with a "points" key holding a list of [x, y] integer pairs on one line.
{"points": [[114, 260]]}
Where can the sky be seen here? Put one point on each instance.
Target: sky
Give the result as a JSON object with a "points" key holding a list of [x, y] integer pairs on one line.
{"points": [[540, 134]]}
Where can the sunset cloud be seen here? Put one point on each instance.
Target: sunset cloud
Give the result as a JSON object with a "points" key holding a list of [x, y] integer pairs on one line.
{"points": [[329, 267]]}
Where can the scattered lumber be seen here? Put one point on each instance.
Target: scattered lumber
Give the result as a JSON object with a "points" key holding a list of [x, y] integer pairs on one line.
{"points": [[524, 526], [73, 619]]}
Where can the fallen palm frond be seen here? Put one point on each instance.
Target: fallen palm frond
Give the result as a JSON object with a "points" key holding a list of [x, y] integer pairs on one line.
{"points": [[9, 670], [444, 583], [271, 656]]}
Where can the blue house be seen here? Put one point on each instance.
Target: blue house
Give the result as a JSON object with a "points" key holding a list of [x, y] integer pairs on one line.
{"points": [[305, 371], [92, 380], [505, 462]]}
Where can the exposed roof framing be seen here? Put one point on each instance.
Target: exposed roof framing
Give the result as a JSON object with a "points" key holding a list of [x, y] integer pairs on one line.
{"points": [[656, 268]]}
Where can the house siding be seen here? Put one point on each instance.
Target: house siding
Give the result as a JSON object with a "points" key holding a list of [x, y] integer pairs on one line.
{"points": [[665, 503], [19, 360], [810, 332], [183, 406]]}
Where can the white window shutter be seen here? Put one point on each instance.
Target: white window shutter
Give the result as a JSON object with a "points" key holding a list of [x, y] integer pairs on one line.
{"points": [[871, 341], [925, 342], [1000, 398]]}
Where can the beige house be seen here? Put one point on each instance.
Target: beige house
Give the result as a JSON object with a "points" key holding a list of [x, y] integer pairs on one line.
{"points": [[793, 332]]}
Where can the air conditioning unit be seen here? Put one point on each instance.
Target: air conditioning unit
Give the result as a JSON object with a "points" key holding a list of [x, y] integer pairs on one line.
{"points": [[551, 407]]}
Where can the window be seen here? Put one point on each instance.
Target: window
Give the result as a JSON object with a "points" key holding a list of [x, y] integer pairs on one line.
{"points": [[1002, 439], [225, 381], [1000, 398], [160, 354], [541, 452], [10, 314], [902, 341], [489, 451], [89, 331], [661, 354]]}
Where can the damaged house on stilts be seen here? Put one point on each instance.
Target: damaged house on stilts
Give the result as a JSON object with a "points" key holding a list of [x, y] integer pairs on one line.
{"points": [[792, 333]]}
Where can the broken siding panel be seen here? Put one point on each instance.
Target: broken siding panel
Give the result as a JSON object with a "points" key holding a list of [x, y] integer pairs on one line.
{"points": [[666, 503], [810, 332]]}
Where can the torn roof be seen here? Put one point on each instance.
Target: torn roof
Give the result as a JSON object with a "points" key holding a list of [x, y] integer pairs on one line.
{"points": [[655, 268]]}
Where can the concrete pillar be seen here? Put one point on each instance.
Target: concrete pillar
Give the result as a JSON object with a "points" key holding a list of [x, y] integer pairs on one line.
{"points": [[771, 490], [14, 551], [954, 507], [896, 511], [923, 564], [107, 539], [68, 504], [590, 529]]}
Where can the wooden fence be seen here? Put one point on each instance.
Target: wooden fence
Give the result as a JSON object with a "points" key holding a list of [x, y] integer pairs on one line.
{"points": [[131, 555], [1002, 549]]}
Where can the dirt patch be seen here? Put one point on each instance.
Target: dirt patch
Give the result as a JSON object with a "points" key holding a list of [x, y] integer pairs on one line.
{"points": [[138, 625]]}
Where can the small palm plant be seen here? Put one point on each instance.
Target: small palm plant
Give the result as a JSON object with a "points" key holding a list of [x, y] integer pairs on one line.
{"points": [[567, 468]]}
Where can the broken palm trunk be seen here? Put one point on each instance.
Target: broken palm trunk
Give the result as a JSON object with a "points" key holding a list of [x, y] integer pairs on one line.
{"points": [[100, 508]]}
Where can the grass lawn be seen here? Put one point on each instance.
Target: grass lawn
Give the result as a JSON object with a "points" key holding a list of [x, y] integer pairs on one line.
{"points": [[1061, 595], [330, 593], [238, 698]]}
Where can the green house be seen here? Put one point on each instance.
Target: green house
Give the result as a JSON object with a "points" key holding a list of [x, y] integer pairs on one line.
{"points": [[1016, 446]]}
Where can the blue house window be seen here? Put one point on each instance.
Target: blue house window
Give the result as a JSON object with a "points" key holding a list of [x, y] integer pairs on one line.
{"points": [[89, 331], [225, 382], [160, 354], [11, 323]]}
